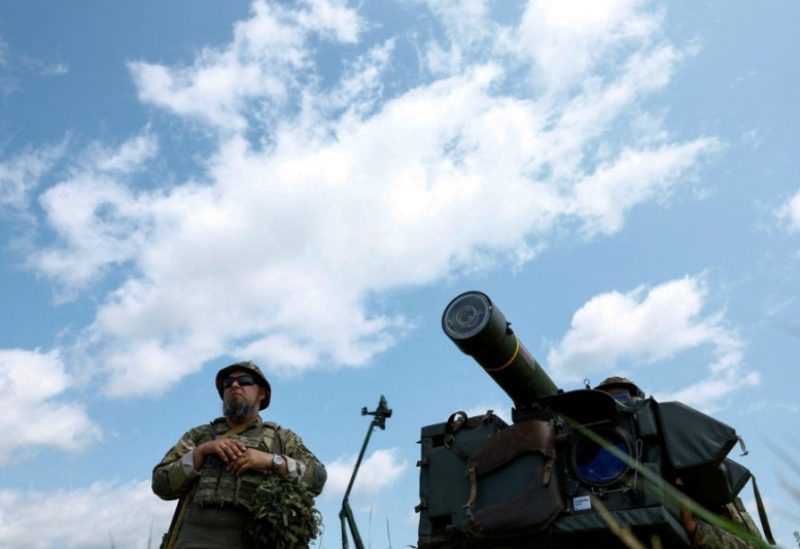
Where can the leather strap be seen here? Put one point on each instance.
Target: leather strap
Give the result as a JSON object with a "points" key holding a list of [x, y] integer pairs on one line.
{"points": [[762, 513]]}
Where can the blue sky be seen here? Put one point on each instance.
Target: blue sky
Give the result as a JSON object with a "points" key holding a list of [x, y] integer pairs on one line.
{"points": [[308, 184]]}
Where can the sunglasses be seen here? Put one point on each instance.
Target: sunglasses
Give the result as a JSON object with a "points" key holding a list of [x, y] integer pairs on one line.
{"points": [[243, 381], [623, 398]]}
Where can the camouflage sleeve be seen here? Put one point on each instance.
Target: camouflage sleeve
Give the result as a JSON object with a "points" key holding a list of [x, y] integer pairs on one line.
{"points": [[737, 509], [313, 475], [171, 477], [708, 536]]}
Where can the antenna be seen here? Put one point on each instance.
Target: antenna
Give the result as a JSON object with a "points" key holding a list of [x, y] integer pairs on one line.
{"points": [[380, 414]]}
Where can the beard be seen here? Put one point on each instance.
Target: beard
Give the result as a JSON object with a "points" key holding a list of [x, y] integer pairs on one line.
{"points": [[237, 409]]}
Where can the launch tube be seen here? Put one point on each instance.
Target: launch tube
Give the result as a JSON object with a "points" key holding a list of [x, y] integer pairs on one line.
{"points": [[480, 329]]}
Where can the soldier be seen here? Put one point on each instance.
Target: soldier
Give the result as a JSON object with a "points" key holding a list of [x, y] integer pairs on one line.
{"points": [[622, 389], [702, 534], [215, 468], [708, 536]]}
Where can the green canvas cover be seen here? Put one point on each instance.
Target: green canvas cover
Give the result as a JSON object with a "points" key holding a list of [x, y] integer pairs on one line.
{"points": [[717, 488], [693, 439], [737, 474], [696, 445]]}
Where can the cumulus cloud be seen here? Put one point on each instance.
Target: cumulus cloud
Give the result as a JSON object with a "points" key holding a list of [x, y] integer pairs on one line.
{"points": [[605, 196], [649, 325], [95, 215], [21, 174], [124, 159], [361, 85], [36, 401], [468, 30], [265, 62], [104, 514], [334, 193], [380, 470], [567, 40], [789, 214]]}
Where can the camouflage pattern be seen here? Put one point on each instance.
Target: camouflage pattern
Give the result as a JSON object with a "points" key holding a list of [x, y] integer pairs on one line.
{"points": [[708, 536], [619, 381], [220, 500], [171, 480]]}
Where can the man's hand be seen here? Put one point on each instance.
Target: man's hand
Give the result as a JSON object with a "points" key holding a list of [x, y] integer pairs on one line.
{"points": [[688, 521], [226, 449], [251, 459]]}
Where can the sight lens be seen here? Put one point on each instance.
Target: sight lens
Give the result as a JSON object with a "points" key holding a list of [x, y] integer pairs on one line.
{"points": [[595, 464], [467, 315]]}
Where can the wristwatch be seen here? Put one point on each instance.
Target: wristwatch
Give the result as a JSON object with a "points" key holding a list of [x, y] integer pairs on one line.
{"points": [[277, 462]]}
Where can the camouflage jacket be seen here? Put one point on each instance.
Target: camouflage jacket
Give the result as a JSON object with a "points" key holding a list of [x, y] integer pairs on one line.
{"points": [[214, 485], [708, 536]]}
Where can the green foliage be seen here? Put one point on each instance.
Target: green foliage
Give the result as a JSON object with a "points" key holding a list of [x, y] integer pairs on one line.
{"points": [[284, 516]]}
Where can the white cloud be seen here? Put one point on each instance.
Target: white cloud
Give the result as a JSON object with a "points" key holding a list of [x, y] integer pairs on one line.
{"points": [[708, 395], [263, 63], [127, 158], [568, 39], [469, 31], [332, 18], [104, 514], [39, 66], [97, 218], [32, 384], [499, 409], [771, 405], [649, 325], [276, 249], [21, 174], [44, 68], [361, 85], [380, 470], [604, 197], [789, 214], [55, 69]]}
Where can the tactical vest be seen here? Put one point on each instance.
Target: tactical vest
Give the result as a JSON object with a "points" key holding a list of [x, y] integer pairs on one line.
{"points": [[220, 488]]}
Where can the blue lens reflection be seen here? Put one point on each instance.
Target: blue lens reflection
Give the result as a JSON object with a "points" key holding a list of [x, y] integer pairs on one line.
{"points": [[623, 397], [599, 466]]}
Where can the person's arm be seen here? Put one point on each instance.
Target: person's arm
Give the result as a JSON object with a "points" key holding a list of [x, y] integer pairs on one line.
{"points": [[301, 464], [175, 472], [707, 536]]}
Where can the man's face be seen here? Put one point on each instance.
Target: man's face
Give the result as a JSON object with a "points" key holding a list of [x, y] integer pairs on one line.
{"points": [[241, 400]]}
